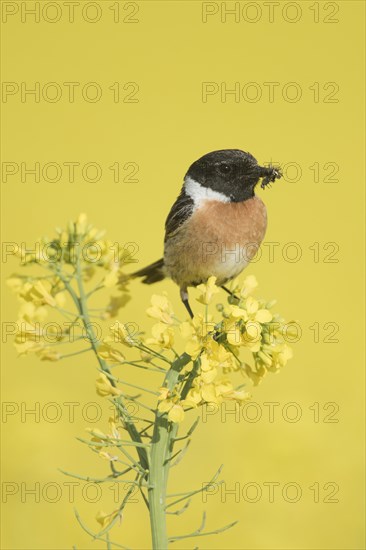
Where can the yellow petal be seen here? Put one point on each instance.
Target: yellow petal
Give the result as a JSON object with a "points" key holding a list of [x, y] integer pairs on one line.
{"points": [[49, 354], [194, 396], [263, 316], [164, 392], [207, 290], [176, 413], [165, 406], [123, 334], [249, 284], [193, 348], [237, 312], [104, 387], [111, 279], [209, 393], [253, 331], [234, 336], [209, 376], [251, 305]]}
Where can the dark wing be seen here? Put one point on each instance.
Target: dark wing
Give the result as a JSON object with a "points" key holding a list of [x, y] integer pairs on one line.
{"points": [[180, 212]]}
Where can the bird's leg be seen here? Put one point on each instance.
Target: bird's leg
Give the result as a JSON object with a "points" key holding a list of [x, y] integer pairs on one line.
{"points": [[227, 290], [184, 297], [233, 298]]}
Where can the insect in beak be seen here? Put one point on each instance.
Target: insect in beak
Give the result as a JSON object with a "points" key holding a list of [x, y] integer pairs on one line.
{"points": [[269, 174]]}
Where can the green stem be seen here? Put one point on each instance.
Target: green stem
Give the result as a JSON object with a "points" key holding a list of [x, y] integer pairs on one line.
{"points": [[75, 353], [82, 306], [161, 450]]}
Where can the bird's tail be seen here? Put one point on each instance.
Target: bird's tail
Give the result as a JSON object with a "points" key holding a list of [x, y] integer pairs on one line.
{"points": [[152, 273]]}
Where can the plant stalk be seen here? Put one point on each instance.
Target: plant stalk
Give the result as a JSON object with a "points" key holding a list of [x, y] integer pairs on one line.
{"points": [[161, 451]]}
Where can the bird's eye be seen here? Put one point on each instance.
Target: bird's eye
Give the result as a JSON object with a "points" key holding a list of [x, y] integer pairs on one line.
{"points": [[224, 168]]}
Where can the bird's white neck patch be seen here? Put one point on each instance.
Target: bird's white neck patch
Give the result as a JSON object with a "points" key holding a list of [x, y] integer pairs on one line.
{"points": [[199, 193]]}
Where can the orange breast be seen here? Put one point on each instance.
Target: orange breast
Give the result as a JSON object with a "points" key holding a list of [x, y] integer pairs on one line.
{"points": [[219, 239], [231, 223]]}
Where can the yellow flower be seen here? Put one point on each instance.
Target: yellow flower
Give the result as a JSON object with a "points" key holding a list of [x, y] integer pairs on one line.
{"points": [[251, 305], [280, 356], [225, 389], [234, 335], [161, 309], [193, 348], [30, 312], [25, 347], [81, 224], [218, 356], [208, 393], [249, 284], [194, 345], [108, 456], [105, 519], [146, 356], [257, 375], [207, 291], [263, 316], [99, 437], [236, 312], [104, 387], [209, 376], [164, 392], [208, 370], [198, 332], [115, 304], [49, 354], [28, 331], [15, 283], [265, 358], [204, 387], [176, 413], [162, 335], [113, 428], [193, 398], [110, 354], [173, 407], [253, 331], [122, 334], [39, 293], [111, 279], [247, 334]]}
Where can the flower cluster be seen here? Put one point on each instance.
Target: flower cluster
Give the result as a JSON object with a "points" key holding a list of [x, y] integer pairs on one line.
{"points": [[76, 252], [249, 323], [213, 346], [80, 238], [102, 441], [37, 298]]}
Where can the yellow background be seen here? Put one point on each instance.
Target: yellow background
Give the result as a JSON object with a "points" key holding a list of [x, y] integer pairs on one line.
{"points": [[169, 53]]}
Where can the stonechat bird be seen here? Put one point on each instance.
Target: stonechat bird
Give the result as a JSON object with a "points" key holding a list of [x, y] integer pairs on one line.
{"points": [[216, 224]]}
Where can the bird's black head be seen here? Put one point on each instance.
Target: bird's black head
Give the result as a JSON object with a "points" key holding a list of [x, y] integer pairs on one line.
{"points": [[231, 172]]}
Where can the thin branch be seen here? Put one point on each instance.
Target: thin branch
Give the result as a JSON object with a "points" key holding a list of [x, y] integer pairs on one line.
{"points": [[75, 353], [181, 510], [119, 380], [99, 480], [198, 532], [95, 535], [180, 454], [190, 431], [195, 492], [113, 442]]}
